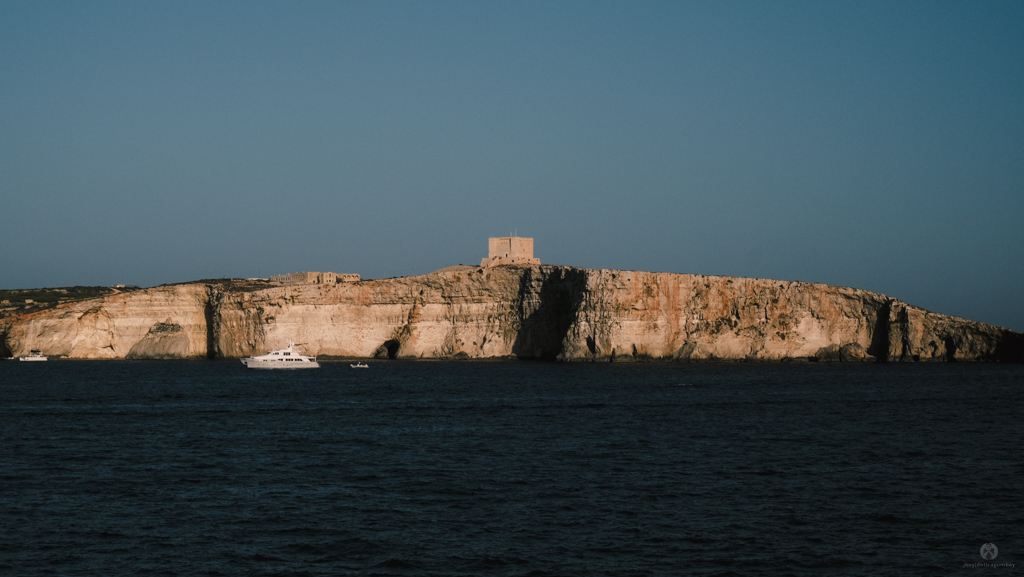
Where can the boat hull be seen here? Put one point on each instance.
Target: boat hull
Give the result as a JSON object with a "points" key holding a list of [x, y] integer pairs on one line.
{"points": [[254, 363]]}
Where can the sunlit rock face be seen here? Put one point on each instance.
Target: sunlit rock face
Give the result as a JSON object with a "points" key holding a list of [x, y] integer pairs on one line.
{"points": [[109, 327], [550, 312]]}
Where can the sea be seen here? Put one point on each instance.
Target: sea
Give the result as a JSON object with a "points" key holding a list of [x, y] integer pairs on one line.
{"points": [[513, 468]]}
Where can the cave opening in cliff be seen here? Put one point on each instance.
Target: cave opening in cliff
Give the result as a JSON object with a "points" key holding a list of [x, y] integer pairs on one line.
{"points": [[391, 348], [950, 349]]}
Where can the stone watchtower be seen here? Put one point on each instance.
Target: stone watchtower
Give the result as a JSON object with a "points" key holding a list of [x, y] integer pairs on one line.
{"points": [[509, 250]]}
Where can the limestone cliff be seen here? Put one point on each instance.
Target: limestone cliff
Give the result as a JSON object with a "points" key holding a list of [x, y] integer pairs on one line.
{"points": [[111, 327], [551, 312]]}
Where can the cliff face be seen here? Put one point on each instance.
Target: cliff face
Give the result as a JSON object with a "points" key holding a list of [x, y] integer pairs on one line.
{"points": [[116, 326], [528, 312]]}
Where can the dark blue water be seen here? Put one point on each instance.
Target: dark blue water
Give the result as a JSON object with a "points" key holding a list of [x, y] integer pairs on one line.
{"points": [[430, 468]]}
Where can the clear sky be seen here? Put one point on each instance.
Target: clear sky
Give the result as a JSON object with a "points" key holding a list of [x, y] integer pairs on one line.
{"points": [[878, 145]]}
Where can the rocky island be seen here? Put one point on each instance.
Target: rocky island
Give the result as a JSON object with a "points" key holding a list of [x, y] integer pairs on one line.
{"points": [[508, 310]]}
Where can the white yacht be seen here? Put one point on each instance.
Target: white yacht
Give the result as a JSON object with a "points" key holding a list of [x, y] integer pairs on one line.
{"points": [[287, 358], [34, 355]]}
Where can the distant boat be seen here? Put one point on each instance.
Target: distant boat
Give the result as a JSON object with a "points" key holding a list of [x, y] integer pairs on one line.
{"points": [[34, 355], [286, 358], [360, 366]]}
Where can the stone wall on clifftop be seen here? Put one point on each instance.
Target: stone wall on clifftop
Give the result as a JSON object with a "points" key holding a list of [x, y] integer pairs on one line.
{"points": [[545, 312]]}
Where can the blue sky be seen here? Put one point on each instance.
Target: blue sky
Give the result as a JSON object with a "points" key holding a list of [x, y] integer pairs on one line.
{"points": [[877, 145]]}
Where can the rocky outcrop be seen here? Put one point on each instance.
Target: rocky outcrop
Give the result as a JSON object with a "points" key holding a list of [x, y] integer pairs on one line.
{"points": [[116, 326], [163, 341], [550, 312], [846, 353]]}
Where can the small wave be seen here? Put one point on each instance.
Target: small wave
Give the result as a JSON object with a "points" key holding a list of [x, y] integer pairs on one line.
{"points": [[398, 563]]}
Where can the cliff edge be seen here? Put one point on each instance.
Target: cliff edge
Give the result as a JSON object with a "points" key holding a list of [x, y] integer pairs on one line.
{"points": [[546, 312]]}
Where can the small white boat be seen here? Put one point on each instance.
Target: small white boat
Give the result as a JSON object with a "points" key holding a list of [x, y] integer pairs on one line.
{"points": [[360, 366], [34, 355], [286, 358]]}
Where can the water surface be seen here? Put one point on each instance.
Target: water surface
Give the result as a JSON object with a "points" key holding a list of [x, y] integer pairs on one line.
{"points": [[510, 468]]}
